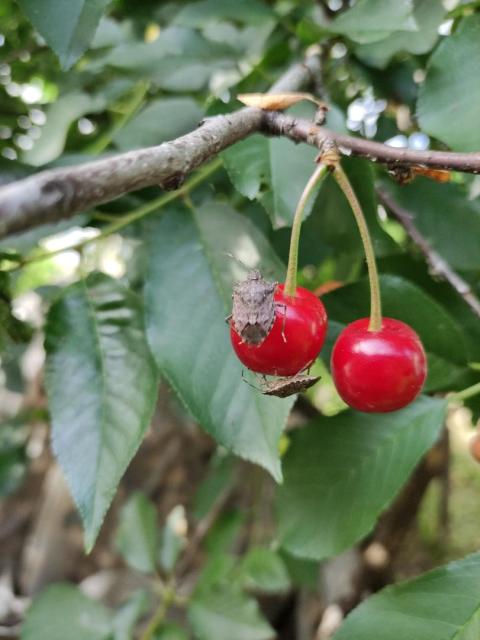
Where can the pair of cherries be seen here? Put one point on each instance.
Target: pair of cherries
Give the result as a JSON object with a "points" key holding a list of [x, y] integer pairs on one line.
{"points": [[373, 371]]}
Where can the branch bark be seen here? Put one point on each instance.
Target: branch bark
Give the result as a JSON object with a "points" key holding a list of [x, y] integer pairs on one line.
{"points": [[56, 194], [438, 265], [300, 130]]}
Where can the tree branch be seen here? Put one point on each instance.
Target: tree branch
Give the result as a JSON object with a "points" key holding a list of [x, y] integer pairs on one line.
{"points": [[438, 265], [60, 193], [56, 194], [201, 531], [300, 130]]}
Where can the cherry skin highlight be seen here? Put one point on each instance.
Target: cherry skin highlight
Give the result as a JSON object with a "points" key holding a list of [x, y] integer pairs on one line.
{"points": [[378, 371], [295, 340]]}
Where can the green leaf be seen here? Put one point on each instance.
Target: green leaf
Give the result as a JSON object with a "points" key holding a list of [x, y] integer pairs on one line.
{"points": [[264, 570], [137, 534], [188, 289], [163, 119], [443, 375], [68, 27], [249, 42], [332, 223], [199, 14], [412, 267], [179, 73], [220, 477], [13, 458], [110, 32], [60, 115], [218, 570], [443, 604], [180, 59], [302, 572], [272, 170], [171, 632], [342, 472], [441, 335], [448, 220], [29, 240], [62, 611], [454, 121], [224, 613], [5, 315], [102, 385], [173, 538], [331, 227], [428, 15], [128, 615], [248, 165], [226, 530], [373, 20]]}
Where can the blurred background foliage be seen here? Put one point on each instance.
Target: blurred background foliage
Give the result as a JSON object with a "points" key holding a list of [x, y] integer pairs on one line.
{"points": [[199, 542]]}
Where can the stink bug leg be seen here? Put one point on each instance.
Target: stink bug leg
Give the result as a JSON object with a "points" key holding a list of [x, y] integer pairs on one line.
{"points": [[252, 385]]}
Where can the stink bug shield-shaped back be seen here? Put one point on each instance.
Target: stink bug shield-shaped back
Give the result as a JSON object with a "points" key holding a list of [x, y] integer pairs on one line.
{"points": [[253, 312], [284, 387]]}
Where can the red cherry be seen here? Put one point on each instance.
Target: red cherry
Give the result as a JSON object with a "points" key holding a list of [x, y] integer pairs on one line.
{"points": [[474, 446], [378, 371], [295, 340]]}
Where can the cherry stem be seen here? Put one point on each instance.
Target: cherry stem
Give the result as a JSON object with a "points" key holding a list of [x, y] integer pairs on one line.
{"points": [[375, 300], [292, 268], [467, 393]]}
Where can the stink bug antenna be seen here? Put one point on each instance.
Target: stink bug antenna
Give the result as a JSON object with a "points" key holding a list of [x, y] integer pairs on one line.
{"points": [[238, 261], [230, 255], [268, 272]]}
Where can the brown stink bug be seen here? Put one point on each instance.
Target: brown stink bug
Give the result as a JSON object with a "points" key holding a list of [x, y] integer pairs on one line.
{"points": [[284, 387], [253, 311]]}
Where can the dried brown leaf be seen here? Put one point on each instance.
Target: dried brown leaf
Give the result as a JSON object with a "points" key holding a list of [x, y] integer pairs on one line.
{"points": [[277, 101], [439, 175]]}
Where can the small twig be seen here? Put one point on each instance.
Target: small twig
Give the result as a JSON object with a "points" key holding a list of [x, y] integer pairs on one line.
{"points": [[167, 598], [438, 265], [445, 487], [168, 590], [301, 130], [201, 531]]}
